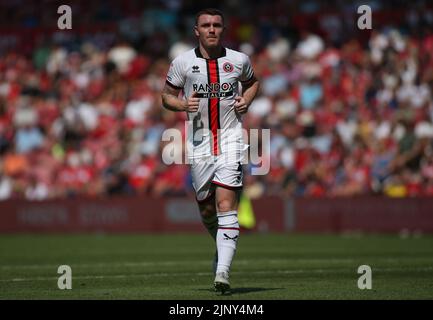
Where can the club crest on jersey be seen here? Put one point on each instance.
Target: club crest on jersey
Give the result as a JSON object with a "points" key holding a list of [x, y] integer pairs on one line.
{"points": [[228, 67]]}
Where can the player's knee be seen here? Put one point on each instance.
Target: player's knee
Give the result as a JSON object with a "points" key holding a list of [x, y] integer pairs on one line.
{"points": [[207, 210], [225, 205]]}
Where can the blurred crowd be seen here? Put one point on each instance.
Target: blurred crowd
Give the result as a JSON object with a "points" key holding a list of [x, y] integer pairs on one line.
{"points": [[350, 111]]}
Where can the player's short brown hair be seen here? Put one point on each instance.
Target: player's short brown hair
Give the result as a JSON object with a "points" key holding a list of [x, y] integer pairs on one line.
{"points": [[209, 11]]}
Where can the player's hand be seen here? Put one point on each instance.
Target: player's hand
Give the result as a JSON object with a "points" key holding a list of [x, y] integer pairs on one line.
{"points": [[241, 106], [192, 103]]}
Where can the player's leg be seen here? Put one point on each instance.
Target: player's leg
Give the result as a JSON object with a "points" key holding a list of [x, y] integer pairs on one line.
{"points": [[202, 173], [208, 214], [227, 200], [209, 219], [228, 181]]}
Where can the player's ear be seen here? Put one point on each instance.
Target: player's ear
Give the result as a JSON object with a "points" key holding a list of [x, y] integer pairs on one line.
{"points": [[196, 31]]}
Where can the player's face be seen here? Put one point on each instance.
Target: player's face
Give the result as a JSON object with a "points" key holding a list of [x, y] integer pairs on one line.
{"points": [[209, 30]]}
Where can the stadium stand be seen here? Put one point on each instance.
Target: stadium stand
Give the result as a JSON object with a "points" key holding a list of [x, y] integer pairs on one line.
{"points": [[350, 111]]}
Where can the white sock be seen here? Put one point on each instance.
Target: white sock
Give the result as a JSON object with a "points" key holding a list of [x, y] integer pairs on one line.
{"points": [[227, 238]]}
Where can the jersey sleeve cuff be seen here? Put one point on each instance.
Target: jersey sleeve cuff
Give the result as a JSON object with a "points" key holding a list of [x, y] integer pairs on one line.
{"points": [[172, 85], [249, 79]]}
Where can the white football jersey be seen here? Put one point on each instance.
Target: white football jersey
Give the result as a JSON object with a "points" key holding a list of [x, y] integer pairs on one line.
{"points": [[216, 128]]}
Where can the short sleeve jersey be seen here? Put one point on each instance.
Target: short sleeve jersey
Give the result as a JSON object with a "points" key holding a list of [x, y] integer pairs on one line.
{"points": [[216, 127]]}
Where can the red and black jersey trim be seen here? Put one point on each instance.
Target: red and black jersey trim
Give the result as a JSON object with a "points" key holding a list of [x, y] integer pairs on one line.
{"points": [[251, 79], [214, 106], [172, 85]]}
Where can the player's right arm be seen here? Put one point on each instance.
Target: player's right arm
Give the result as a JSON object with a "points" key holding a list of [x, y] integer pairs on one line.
{"points": [[175, 81], [171, 100]]}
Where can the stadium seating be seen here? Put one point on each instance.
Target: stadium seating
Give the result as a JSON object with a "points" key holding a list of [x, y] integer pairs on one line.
{"points": [[350, 111]]}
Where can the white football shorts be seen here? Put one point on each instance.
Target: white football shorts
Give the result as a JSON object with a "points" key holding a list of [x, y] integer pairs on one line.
{"points": [[215, 171]]}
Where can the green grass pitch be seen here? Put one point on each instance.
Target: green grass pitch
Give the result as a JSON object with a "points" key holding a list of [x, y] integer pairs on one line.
{"points": [[266, 266]]}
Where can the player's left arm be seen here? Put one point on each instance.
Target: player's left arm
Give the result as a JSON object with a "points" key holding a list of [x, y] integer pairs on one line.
{"points": [[250, 86], [249, 91]]}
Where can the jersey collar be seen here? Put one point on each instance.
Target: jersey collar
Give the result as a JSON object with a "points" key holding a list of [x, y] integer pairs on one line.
{"points": [[199, 55]]}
